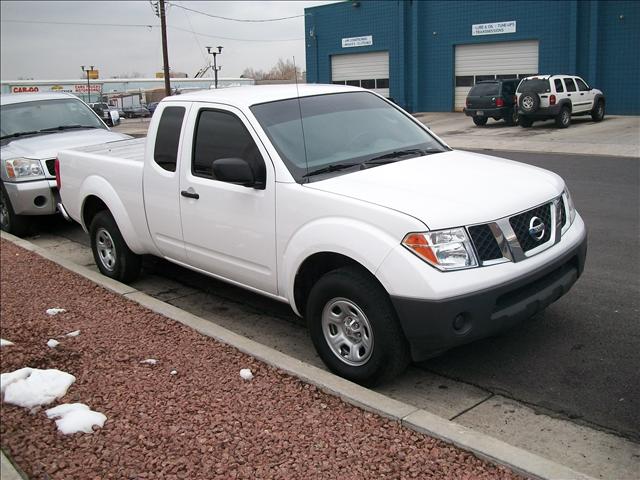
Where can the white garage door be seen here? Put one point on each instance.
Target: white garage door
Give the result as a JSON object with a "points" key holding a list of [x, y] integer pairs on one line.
{"points": [[366, 70], [484, 61]]}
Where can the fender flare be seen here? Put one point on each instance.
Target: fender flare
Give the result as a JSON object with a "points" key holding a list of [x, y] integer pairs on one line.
{"points": [[98, 187], [597, 98], [360, 241]]}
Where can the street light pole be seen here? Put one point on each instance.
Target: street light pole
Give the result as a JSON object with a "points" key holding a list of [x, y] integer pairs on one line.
{"points": [[215, 65], [88, 84]]}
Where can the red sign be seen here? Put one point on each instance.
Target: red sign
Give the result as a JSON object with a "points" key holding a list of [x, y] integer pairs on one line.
{"points": [[25, 89]]}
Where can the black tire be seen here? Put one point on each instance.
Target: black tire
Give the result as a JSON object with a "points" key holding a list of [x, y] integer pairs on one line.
{"points": [[110, 252], [18, 225], [389, 354], [480, 121], [563, 119], [525, 122], [511, 118], [597, 114], [529, 102]]}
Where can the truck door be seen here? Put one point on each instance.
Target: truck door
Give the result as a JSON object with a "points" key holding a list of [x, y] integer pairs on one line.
{"points": [[161, 180], [228, 229]]}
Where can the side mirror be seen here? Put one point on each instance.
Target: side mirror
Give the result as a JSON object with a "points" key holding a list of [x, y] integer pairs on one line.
{"points": [[236, 171]]}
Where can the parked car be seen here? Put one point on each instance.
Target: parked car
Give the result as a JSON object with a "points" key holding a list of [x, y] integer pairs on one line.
{"points": [[34, 127], [137, 111], [393, 246], [152, 107], [559, 97], [493, 99], [107, 113]]}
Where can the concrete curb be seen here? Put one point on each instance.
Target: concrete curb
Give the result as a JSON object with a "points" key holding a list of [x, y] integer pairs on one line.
{"points": [[483, 446], [7, 470]]}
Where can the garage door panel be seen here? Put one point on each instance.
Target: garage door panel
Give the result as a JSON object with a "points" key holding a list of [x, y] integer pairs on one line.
{"points": [[494, 58], [361, 66]]}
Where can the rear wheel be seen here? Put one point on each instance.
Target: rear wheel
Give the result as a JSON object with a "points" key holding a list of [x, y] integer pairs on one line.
{"points": [[597, 114], [110, 252], [18, 225], [480, 121], [563, 119], [354, 327], [525, 122]]}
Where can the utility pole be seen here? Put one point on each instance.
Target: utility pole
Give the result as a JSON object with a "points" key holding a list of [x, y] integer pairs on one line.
{"points": [[215, 65], [165, 53]]}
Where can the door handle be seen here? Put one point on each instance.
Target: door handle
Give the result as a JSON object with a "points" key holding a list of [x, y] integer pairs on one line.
{"points": [[582, 94], [568, 94], [190, 193]]}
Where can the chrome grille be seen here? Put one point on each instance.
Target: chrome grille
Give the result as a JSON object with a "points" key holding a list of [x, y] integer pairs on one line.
{"points": [[485, 243], [521, 225]]}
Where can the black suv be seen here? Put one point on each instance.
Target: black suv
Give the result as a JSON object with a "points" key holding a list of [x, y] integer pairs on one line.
{"points": [[495, 99]]}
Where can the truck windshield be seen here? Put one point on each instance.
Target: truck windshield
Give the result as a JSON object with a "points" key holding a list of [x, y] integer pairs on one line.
{"points": [[341, 132], [46, 116]]}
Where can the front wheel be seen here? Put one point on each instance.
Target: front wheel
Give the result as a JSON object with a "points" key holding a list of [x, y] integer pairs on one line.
{"points": [[18, 225], [480, 121], [354, 327], [597, 114], [110, 252]]}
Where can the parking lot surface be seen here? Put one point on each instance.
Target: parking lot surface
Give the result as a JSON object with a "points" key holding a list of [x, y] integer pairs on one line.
{"points": [[554, 385]]}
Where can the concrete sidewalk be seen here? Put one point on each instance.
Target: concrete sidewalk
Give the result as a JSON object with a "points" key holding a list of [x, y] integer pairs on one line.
{"points": [[616, 135]]}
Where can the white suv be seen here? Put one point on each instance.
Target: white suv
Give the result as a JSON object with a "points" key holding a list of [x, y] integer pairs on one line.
{"points": [[543, 97]]}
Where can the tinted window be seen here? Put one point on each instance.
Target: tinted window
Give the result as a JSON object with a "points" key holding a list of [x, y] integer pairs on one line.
{"points": [[368, 83], [581, 85], [464, 81], [382, 83], [484, 89], [508, 88], [480, 78], [353, 83], [165, 152], [558, 84], [344, 128], [536, 85], [571, 87], [222, 135]]}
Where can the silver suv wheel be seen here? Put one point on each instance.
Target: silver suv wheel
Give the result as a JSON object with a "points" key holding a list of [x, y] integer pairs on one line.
{"points": [[106, 249], [347, 331]]}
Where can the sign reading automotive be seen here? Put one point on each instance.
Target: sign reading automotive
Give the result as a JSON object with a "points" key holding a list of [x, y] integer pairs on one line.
{"points": [[77, 88], [493, 28], [357, 41]]}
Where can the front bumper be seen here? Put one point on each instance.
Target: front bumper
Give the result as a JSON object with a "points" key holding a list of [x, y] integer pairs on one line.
{"points": [[38, 197], [434, 325]]}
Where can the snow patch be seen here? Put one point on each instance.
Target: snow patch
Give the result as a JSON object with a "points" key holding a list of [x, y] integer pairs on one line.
{"points": [[173, 372], [76, 417], [150, 361], [55, 311], [52, 343], [75, 333], [5, 343], [246, 374], [32, 387]]}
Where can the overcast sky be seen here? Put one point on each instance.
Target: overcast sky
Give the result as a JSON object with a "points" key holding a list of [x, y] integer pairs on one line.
{"points": [[56, 51]]}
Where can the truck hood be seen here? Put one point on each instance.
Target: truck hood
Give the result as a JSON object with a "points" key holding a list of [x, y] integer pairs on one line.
{"points": [[47, 146], [449, 189]]}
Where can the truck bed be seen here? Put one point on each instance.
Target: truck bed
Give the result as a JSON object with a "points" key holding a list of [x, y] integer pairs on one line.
{"points": [[132, 149]]}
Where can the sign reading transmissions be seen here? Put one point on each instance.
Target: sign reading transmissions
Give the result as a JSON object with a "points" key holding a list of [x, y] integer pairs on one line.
{"points": [[77, 88], [357, 41], [493, 28]]}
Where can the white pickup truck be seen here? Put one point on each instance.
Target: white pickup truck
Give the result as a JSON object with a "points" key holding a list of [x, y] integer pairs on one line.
{"points": [[334, 200]]}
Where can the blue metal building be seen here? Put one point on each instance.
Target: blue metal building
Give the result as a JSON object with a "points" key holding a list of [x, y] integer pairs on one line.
{"points": [[432, 52]]}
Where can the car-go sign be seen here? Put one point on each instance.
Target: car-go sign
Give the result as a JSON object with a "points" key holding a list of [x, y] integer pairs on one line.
{"points": [[357, 41], [493, 28]]}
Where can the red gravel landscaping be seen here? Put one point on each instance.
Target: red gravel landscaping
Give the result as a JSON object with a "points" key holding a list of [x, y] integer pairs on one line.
{"points": [[204, 422]]}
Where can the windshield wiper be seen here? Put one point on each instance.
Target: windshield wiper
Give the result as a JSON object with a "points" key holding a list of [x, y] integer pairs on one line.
{"points": [[20, 134], [66, 127], [334, 167], [396, 155]]}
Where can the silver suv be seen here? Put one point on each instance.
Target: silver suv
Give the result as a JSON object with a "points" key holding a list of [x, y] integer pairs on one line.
{"points": [[558, 97]]}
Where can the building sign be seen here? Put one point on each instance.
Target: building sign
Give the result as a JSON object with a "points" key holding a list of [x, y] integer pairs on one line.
{"points": [[357, 41], [493, 28], [80, 88]]}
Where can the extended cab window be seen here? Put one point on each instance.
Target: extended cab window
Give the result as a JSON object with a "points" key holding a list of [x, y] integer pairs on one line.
{"points": [[582, 86], [165, 152], [223, 135]]}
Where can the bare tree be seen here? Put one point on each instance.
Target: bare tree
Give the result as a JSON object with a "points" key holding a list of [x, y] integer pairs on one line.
{"points": [[283, 70]]}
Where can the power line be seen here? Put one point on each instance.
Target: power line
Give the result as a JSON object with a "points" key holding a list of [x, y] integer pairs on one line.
{"points": [[238, 39], [236, 19]]}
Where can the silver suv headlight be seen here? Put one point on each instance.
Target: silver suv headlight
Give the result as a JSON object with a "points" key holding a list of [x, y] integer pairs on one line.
{"points": [[449, 249], [23, 168]]}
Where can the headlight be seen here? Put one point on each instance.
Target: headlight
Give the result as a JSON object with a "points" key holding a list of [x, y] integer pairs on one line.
{"points": [[570, 206], [448, 249], [21, 168]]}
